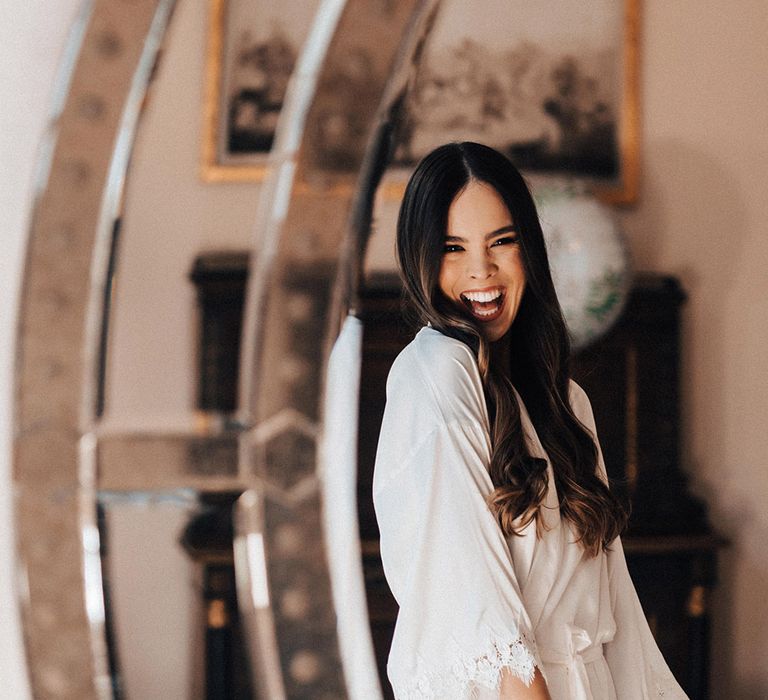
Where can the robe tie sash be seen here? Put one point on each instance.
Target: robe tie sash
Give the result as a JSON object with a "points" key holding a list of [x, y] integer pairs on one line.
{"points": [[581, 651]]}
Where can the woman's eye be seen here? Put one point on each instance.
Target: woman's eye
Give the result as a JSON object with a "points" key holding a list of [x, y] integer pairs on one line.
{"points": [[507, 240], [451, 248]]}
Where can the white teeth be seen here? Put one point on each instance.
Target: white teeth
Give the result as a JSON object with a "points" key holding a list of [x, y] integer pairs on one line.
{"points": [[485, 313], [482, 296]]}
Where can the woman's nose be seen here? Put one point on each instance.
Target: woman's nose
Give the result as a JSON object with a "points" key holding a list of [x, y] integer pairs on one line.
{"points": [[481, 265]]}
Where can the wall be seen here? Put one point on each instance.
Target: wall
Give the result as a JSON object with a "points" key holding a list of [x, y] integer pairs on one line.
{"points": [[701, 217]]}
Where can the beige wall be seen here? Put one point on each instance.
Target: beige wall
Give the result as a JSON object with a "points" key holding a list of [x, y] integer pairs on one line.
{"points": [[703, 216], [705, 157]]}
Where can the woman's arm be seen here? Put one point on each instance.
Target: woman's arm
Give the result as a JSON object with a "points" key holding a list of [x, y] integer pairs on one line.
{"points": [[462, 618], [512, 688]]}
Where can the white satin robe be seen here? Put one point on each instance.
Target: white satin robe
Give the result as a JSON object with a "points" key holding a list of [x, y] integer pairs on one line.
{"points": [[472, 601]]}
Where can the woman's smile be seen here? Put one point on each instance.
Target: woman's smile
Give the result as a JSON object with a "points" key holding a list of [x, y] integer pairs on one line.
{"points": [[485, 304]]}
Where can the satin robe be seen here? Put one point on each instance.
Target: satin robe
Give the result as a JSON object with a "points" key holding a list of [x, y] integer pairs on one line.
{"points": [[473, 601]]}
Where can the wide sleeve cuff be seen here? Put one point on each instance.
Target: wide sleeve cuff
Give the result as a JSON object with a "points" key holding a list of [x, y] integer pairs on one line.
{"points": [[462, 676]]}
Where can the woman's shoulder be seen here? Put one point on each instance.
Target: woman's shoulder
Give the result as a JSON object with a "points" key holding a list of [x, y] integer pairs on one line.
{"points": [[433, 357], [437, 369]]}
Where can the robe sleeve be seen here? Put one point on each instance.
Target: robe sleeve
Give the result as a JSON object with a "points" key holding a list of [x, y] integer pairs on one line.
{"points": [[461, 618], [637, 666]]}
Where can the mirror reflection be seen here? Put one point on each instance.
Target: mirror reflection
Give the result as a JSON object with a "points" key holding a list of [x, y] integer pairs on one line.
{"points": [[169, 476], [167, 558]]}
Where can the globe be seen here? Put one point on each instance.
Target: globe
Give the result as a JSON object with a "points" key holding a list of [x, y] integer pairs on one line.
{"points": [[588, 256]]}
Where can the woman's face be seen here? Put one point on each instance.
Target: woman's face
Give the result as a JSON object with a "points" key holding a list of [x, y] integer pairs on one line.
{"points": [[482, 266]]}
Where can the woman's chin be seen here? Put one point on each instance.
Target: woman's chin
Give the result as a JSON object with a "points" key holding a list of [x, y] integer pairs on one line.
{"points": [[496, 329]]}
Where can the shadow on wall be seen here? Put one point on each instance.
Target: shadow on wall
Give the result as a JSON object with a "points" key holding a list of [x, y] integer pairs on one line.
{"points": [[692, 223]]}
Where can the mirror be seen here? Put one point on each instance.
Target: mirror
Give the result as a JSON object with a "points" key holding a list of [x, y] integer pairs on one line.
{"points": [[99, 464], [110, 530]]}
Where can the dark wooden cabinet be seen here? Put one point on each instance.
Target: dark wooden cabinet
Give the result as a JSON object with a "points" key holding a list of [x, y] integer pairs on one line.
{"points": [[219, 280], [632, 378]]}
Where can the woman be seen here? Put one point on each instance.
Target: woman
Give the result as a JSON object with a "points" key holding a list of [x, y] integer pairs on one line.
{"points": [[499, 535]]}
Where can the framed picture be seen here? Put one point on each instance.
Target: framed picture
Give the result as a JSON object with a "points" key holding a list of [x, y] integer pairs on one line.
{"points": [[253, 46], [552, 83]]}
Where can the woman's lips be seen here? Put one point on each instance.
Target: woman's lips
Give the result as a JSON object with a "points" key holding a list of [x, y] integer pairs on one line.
{"points": [[485, 305]]}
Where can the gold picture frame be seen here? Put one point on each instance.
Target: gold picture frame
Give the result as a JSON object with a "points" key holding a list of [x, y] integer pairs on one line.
{"points": [[251, 50], [219, 166], [554, 85], [627, 190]]}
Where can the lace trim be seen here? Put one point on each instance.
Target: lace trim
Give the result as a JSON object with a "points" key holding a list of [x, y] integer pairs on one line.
{"points": [[458, 679], [668, 684]]}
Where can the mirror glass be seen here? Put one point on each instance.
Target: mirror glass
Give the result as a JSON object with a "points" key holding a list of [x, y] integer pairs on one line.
{"points": [[167, 562], [168, 430]]}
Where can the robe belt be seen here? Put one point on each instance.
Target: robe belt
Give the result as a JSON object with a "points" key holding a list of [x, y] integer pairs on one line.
{"points": [[581, 652]]}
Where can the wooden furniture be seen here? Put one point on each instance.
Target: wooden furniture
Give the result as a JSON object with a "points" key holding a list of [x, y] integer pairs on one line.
{"points": [[208, 539], [632, 378], [219, 279]]}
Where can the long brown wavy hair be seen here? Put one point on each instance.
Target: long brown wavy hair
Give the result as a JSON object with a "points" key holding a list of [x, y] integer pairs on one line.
{"points": [[538, 342]]}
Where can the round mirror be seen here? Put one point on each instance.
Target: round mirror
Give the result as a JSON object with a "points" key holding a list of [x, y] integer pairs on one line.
{"points": [[188, 538]]}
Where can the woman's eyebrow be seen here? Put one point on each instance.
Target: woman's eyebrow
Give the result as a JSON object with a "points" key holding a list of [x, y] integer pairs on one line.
{"points": [[504, 229]]}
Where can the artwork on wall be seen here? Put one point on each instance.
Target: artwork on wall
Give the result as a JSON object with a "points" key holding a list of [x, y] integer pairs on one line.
{"points": [[252, 50], [553, 84]]}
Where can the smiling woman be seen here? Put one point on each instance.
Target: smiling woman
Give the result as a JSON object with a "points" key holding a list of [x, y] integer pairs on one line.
{"points": [[499, 534]]}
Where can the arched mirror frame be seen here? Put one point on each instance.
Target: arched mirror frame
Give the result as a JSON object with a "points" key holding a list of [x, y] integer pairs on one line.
{"points": [[310, 242]]}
